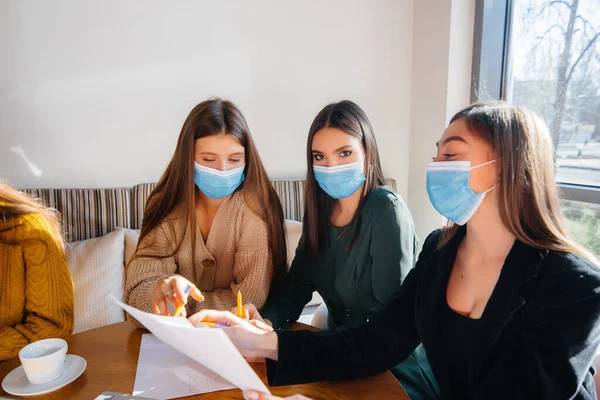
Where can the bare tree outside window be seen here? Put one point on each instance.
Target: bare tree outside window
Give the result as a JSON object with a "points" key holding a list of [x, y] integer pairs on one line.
{"points": [[555, 71]]}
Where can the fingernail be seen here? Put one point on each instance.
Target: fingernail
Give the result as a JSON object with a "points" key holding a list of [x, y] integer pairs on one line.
{"points": [[250, 395]]}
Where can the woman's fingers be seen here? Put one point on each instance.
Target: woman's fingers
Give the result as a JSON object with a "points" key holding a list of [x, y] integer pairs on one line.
{"points": [[254, 395], [200, 316], [172, 289], [196, 294], [250, 395], [160, 306], [261, 325], [220, 317], [165, 290], [250, 312], [177, 286], [234, 311], [181, 285]]}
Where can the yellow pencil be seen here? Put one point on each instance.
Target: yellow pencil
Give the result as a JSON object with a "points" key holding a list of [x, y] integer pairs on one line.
{"points": [[239, 304], [178, 311]]}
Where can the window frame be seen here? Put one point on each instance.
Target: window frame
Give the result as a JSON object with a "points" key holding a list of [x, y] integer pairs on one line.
{"points": [[491, 72]]}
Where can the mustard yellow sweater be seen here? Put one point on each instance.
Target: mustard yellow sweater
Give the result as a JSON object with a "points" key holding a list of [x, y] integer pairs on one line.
{"points": [[36, 290]]}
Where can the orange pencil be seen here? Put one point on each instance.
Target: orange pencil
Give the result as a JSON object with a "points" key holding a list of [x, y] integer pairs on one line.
{"points": [[179, 309]]}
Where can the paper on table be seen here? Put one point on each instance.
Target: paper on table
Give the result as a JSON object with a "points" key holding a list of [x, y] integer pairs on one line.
{"points": [[209, 346], [165, 373]]}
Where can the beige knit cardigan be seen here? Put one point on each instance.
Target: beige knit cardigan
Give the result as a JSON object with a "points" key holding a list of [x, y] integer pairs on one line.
{"points": [[236, 256]]}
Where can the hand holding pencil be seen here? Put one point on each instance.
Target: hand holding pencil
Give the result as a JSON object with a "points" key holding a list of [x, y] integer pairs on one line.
{"points": [[212, 324], [173, 289], [251, 314]]}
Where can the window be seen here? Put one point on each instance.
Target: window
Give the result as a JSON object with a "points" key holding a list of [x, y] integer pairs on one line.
{"points": [[583, 221], [545, 55], [555, 65]]}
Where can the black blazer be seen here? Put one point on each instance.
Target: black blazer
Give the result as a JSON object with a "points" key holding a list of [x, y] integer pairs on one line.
{"points": [[540, 329]]}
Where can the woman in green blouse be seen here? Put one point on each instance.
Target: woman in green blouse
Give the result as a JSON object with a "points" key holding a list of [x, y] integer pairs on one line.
{"points": [[358, 241]]}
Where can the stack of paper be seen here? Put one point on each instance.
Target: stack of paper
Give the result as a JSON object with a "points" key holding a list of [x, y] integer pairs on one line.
{"points": [[210, 347], [164, 373]]}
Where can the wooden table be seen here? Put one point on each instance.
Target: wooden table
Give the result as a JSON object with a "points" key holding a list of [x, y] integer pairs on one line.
{"points": [[112, 352]]}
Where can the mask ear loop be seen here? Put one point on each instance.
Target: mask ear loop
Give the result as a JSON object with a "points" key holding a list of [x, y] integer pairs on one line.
{"points": [[485, 163], [368, 169], [481, 165], [490, 189], [480, 200]]}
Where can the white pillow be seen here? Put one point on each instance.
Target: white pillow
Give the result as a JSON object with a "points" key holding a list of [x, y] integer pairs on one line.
{"points": [[131, 240], [293, 231], [96, 266]]}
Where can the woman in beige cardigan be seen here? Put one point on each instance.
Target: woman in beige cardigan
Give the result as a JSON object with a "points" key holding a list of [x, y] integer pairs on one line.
{"points": [[213, 223]]}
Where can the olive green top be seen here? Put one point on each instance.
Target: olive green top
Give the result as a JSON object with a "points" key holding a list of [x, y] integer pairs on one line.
{"points": [[357, 283]]}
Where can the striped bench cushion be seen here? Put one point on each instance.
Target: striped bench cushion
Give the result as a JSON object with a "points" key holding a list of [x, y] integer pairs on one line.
{"points": [[139, 197], [290, 192], [88, 213]]}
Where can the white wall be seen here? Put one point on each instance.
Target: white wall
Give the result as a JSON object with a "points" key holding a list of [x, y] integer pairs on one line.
{"points": [[95, 93], [441, 76]]}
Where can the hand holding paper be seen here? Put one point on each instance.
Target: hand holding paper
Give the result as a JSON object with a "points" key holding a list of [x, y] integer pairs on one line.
{"points": [[253, 340], [209, 346]]}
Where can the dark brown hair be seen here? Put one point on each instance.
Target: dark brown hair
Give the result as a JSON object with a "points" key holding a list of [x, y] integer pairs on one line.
{"points": [[351, 119], [14, 204], [176, 187], [528, 196]]}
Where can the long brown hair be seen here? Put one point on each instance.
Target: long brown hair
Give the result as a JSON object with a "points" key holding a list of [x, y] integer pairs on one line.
{"points": [[350, 118], [14, 204], [528, 196], [176, 188]]}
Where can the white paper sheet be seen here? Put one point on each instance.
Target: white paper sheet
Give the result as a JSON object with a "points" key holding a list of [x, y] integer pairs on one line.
{"points": [[209, 346], [165, 373]]}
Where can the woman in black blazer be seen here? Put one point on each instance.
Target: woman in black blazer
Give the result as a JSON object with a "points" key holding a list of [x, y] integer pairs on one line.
{"points": [[506, 305]]}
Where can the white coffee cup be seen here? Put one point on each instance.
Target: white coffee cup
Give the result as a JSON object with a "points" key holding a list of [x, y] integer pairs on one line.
{"points": [[43, 361]]}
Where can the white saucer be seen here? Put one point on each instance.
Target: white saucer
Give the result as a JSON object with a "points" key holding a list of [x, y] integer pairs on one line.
{"points": [[16, 383]]}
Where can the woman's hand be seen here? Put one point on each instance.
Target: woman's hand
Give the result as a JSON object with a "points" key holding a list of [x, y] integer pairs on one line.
{"points": [[253, 317], [251, 340], [251, 314], [172, 289], [253, 395]]}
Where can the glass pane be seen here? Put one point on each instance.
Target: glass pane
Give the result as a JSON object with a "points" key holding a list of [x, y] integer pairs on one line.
{"points": [[583, 222], [555, 71]]}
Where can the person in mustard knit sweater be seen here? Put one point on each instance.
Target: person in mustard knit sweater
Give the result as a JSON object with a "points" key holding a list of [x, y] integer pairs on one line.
{"points": [[36, 290]]}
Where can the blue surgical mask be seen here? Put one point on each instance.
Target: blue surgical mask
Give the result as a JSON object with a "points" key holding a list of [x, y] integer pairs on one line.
{"points": [[340, 181], [215, 183], [449, 191]]}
